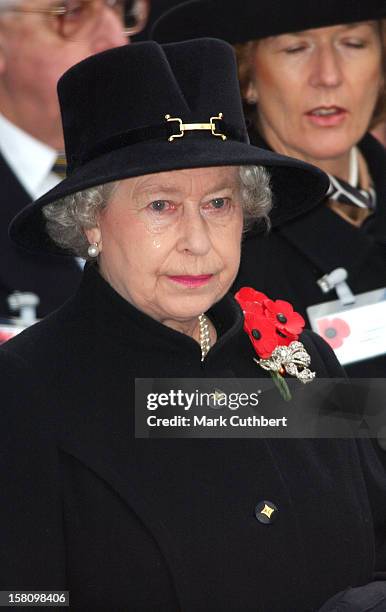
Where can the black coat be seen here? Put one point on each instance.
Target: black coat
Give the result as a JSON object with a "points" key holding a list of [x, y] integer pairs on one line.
{"points": [[52, 278], [288, 261], [166, 525]]}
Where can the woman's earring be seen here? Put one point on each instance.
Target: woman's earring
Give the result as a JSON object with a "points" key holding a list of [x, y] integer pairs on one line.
{"points": [[93, 250]]}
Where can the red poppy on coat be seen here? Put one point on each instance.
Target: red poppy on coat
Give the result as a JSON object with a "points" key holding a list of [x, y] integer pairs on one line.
{"points": [[247, 295], [261, 332], [334, 331], [269, 324], [283, 316]]}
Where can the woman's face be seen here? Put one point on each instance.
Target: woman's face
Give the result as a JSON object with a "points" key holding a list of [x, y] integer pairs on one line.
{"points": [[170, 242], [316, 90]]}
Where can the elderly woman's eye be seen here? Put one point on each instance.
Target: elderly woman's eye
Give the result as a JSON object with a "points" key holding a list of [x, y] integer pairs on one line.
{"points": [[159, 205], [219, 203]]}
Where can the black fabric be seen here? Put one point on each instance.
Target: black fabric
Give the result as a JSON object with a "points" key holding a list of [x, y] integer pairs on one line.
{"points": [[238, 22], [134, 87], [369, 598], [287, 262], [157, 8], [51, 277], [168, 525]]}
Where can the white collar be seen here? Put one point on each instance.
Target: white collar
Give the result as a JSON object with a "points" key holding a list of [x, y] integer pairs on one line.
{"points": [[29, 159]]}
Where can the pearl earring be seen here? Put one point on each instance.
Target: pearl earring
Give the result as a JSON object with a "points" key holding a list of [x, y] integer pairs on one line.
{"points": [[93, 250]]}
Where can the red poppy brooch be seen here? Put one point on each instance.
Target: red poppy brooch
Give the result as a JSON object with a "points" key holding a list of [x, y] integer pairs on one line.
{"points": [[273, 328]]}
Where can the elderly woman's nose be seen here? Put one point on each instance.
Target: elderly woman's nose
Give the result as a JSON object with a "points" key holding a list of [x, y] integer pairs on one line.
{"points": [[109, 32], [194, 233], [326, 70]]}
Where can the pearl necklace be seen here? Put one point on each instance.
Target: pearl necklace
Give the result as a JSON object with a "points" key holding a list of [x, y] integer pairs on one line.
{"points": [[204, 335]]}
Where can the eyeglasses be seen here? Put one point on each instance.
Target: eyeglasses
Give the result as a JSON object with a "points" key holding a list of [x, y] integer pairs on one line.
{"points": [[72, 17]]}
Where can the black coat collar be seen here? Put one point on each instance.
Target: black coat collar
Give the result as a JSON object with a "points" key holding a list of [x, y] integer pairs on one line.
{"points": [[328, 241], [116, 318]]}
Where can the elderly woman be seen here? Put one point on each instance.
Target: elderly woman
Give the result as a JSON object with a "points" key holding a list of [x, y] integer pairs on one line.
{"points": [[161, 180], [312, 76]]}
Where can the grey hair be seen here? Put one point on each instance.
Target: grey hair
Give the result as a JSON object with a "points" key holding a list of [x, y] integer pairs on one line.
{"points": [[256, 195], [69, 217]]}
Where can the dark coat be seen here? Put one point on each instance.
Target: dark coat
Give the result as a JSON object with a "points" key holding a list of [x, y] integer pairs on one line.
{"points": [[52, 278], [136, 525], [288, 261]]}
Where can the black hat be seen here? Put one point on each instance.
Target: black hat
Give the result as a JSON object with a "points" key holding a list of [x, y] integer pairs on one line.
{"points": [[156, 9], [143, 108], [238, 22]]}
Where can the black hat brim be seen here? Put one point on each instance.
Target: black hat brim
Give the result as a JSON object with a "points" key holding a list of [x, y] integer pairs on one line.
{"points": [[297, 186], [238, 22]]}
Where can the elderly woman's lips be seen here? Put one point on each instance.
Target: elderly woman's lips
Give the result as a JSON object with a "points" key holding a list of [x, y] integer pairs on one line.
{"points": [[191, 281], [327, 116]]}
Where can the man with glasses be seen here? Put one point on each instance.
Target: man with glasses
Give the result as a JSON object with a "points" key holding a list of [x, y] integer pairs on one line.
{"points": [[39, 41]]}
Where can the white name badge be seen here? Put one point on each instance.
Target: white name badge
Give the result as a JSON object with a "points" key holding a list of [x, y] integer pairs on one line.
{"points": [[9, 330], [355, 332]]}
